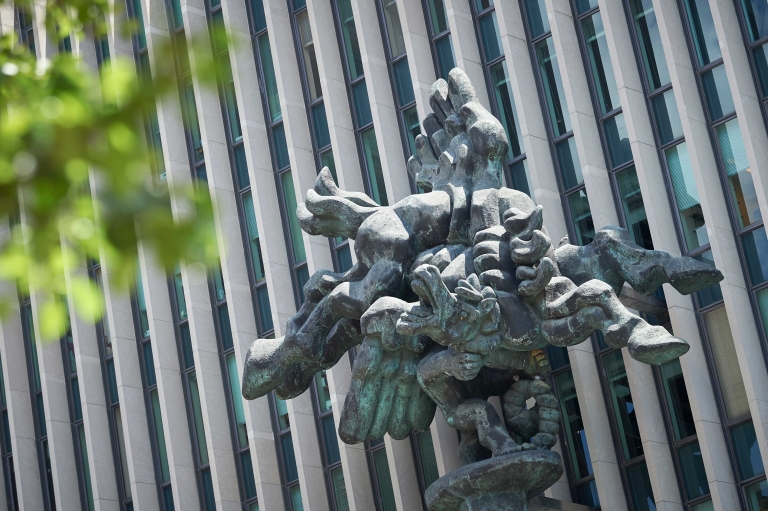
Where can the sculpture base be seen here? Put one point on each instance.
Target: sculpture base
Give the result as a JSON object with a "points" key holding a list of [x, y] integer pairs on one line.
{"points": [[503, 483]]}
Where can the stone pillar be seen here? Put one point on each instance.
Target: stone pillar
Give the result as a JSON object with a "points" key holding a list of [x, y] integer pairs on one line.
{"points": [[418, 47], [402, 470]]}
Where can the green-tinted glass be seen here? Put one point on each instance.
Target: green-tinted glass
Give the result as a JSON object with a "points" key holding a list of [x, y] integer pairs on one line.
{"points": [[373, 166], [649, 38], [762, 304], [748, 458], [349, 33], [438, 16], [667, 118], [444, 53], [282, 413], [538, 22], [738, 172], [623, 407], [237, 400], [296, 502], [489, 33], [193, 124], [162, 452], [678, 403], [270, 81], [633, 206], [429, 469], [218, 283], [253, 236], [339, 489], [692, 467], [412, 127], [123, 458], [181, 302], [553, 87], [289, 458], [197, 413], [309, 57], [600, 62], [574, 425], [394, 28], [323, 392], [142, 304], [617, 140], [581, 215], [289, 196], [717, 91], [703, 31], [86, 467], [757, 496], [687, 196], [640, 488], [505, 103], [384, 480]]}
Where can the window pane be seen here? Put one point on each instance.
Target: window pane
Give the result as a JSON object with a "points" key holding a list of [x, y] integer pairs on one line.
{"points": [[85, 466], [756, 252], [738, 172], [489, 33], [583, 6], [748, 457], [331, 441], [233, 115], [586, 494], [718, 93], [438, 16], [678, 403], [323, 392], [193, 125], [640, 488], [600, 61], [553, 87], [445, 58], [633, 206], [281, 146], [344, 257], [711, 294], [326, 160], [302, 277], [570, 167], [623, 407], [225, 327], [412, 127], [576, 435], [703, 31], [692, 467], [506, 104], [349, 33], [141, 36], [237, 401], [111, 381], [373, 165], [123, 458], [704, 506], [761, 63], [218, 283], [197, 413], [581, 215], [394, 29], [756, 14], [687, 196], [617, 138], [209, 496], [320, 124], [762, 305], [403, 82], [308, 52], [186, 346], [649, 39], [76, 403], [538, 22], [289, 198], [289, 459], [178, 20], [259, 20], [558, 356], [241, 167], [757, 496], [149, 364], [384, 480], [265, 310], [283, 421], [247, 467], [270, 82], [253, 236], [296, 503], [160, 436], [181, 302], [339, 489], [427, 456], [298, 4], [362, 106], [726, 363], [521, 178], [667, 118]]}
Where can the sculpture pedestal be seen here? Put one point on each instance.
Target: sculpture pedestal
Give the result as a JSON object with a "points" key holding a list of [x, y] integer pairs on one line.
{"points": [[503, 483]]}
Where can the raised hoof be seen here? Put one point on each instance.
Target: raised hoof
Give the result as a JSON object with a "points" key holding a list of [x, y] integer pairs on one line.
{"points": [[654, 345], [694, 276]]}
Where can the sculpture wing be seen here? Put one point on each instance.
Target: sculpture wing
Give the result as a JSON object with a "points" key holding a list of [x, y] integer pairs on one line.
{"points": [[384, 395]]}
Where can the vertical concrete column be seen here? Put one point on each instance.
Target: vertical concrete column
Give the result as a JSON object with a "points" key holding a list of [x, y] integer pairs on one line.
{"points": [[357, 478], [658, 456], [533, 129], [45, 45], [746, 98], [169, 382], [561, 490], [381, 99], [297, 135], [585, 130], [465, 46], [446, 442], [21, 423], [402, 470], [662, 225], [93, 403], [260, 173], [419, 50], [120, 45], [721, 236], [333, 82], [610, 487]]}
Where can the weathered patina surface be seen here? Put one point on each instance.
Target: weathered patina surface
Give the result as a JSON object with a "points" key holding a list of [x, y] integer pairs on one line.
{"points": [[454, 295]]}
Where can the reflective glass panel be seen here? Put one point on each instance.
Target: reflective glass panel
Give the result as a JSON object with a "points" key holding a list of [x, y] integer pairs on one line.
{"points": [[489, 34], [570, 167], [193, 125], [362, 106], [649, 39], [623, 406], [748, 458], [578, 450], [394, 29], [553, 87], [617, 139], [600, 61], [270, 82], [667, 118], [349, 34], [634, 208], [289, 458], [761, 63], [403, 82], [581, 215], [445, 58], [157, 417], [687, 196], [253, 236], [640, 488], [538, 22], [186, 346], [241, 166], [384, 480], [265, 310], [339, 489], [718, 93], [344, 257], [756, 14], [237, 400], [704, 506], [197, 413], [692, 467], [373, 165], [141, 36], [586, 494], [259, 20], [247, 467], [427, 456], [757, 496], [558, 356], [149, 364], [123, 458], [331, 441], [85, 466], [738, 172], [438, 16], [289, 196], [755, 246], [281, 146], [320, 124], [703, 30], [181, 303], [309, 58], [678, 403], [506, 104], [296, 502], [302, 276], [282, 414], [209, 497], [412, 127], [521, 178]]}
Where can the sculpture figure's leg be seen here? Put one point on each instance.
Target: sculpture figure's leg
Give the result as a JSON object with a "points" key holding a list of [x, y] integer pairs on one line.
{"points": [[461, 411], [540, 423], [615, 258]]}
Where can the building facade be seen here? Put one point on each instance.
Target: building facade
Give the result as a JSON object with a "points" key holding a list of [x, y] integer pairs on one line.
{"points": [[649, 114]]}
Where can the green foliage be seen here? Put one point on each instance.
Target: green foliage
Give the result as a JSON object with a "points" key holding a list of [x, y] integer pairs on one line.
{"points": [[76, 176]]}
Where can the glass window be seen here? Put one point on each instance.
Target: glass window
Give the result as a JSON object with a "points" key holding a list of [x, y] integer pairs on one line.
{"points": [[123, 459], [320, 124], [233, 115], [259, 20], [570, 167], [412, 127], [178, 20], [403, 82], [640, 488], [253, 236], [330, 439], [521, 178], [310, 60], [756, 14], [677, 400], [649, 39], [713, 293], [302, 277], [296, 502], [209, 496], [157, 415], [362, 106], [633, 207], [186, 346], [349, 33], [573, 424], [600, 61], [323, 392], [506, 105], [373, 165], [445, 58], [553, 87], [667, 118], [197, 413], [237, 400], [738, 172], [623, 407], [85, 466], [193, 125], [298, 4], [241, 166], [246, 465], [339, 489], [617, 139], [703, 31], [761, 63], [538, 22], [757, 496], [718, 93], [583, 6], [438, 16], [149, 364], [489, 33], [726, 363], [344, 258], [76, 403], [141, 36], [289, 196], [692, 467], [581, 214], [704, 506], [748, 457], [224, 326], [265, 310], [281, 146], [586, 494], [181, 303], [111, 381], [427, 456], [282, 414], [558, 356], [687, 196], [394, 29], [384, 480], [270, 81], [289, 458], [755, 246]]}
